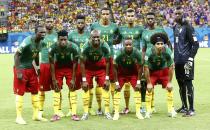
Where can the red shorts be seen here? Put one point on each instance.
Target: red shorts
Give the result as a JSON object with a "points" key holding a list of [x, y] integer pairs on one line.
{"points": [[125, 79], [45, 78], [111, 69], [160, 77], [78, 81], [97, 69], [60, 73], [29, 82]]}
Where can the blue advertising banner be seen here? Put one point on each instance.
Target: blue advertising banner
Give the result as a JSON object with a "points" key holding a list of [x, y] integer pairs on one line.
{"points": [[14, 39]]}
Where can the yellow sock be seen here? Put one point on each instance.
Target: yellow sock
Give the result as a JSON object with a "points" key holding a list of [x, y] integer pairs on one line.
{"points": [[56, 102], [170, 101], [90, 98], [73, 99], [99, 96], [70, 109], [19, 105], [60, 101], [148, 101], [41, 100], [112, 86], [137, 98], [35, 105], [86, 96], [106, 98], [127, 94], [116, 102], [152, 101]]}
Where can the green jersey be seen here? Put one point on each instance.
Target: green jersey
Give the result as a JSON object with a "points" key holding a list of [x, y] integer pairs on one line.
{"points": [[79, 39], [107, 33], [49, 40], [29, 50], [146, 35], [158, 62], [64, 55], [134, 33], [95, 54], [128, 61]]}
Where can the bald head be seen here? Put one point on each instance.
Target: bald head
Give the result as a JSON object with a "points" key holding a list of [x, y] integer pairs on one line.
{"points": [[95, 38]]}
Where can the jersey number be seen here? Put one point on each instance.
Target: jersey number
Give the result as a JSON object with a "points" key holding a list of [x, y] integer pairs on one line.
{"points": [[105, 38], [49, 44]]}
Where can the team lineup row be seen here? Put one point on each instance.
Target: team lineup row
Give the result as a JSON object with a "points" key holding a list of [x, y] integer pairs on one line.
{"points": [[80, 56]]}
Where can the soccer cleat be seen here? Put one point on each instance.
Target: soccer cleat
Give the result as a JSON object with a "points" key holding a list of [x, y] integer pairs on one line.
{"points": [[142, 110], [139, 116], [75, 118], [181, 110], [116, 116], [68, 114], [84, 116], [189, 113], [108, 116], [91, 112], [172, 114], [125, 111], [147, 115], [39, 119], [99, 112], [55, 118], [153, 110], [19, 120], [60, 113]]}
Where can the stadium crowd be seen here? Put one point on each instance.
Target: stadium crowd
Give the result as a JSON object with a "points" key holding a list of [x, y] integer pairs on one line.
{"points": [[24, 14]]}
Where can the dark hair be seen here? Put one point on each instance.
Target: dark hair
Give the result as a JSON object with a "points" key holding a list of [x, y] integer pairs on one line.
{"points": [[80, 16], [62, 33], [178, 7], [104, 9], [130, 10], [159, 37], [37, 27], [151, 13]]}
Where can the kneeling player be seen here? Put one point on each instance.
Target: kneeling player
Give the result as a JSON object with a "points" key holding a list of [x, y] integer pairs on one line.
{"points": [[158, 68], [128, 63]]}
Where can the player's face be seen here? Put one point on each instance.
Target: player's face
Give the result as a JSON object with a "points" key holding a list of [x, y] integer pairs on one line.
{"points": [[95, 39], [130, 17], [179, 16], [80, 24], [128, 46], [159, 46], [41, 33], [150, 20], [63, 40], [105, 15], [49, 23]]}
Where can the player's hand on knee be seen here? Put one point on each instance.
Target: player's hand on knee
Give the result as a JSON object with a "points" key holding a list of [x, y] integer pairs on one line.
{"points": [[189, 64], [138, 85], [85, 86], [106, 85], [149, 87], [117, 87], [55, 85], [169, 86], [19, 75], [72, 85]]}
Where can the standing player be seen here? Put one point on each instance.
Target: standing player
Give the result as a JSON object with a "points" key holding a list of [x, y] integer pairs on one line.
{"points": [[25, 76], [185, 49], [95, 63], [133, 31], [108, 32], [128, 69], [158, 69], [45, 78], [146, 45], [79, 37], [63, 57]]}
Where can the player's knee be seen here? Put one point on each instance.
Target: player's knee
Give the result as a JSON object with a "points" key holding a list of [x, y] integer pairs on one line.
{"points": [[169, 89], [149, 90]]}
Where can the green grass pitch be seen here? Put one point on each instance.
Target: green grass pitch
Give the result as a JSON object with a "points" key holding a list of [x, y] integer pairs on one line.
{"points": [[159, 121]]}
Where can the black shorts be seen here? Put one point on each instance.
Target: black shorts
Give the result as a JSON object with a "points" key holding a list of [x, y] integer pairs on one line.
{"points": [[180, 72]]}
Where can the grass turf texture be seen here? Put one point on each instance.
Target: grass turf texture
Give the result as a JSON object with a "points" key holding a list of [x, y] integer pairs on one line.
{"points": [[159, 121]]}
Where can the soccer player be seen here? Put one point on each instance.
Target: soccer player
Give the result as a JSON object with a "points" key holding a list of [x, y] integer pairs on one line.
{"points": [[45, 78], [95, 63], [146, 44], [25, 75], [128, 63], [108, 32], [63, 57], [80, 36], [133, 31], [158, 69], [185, 49]]}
